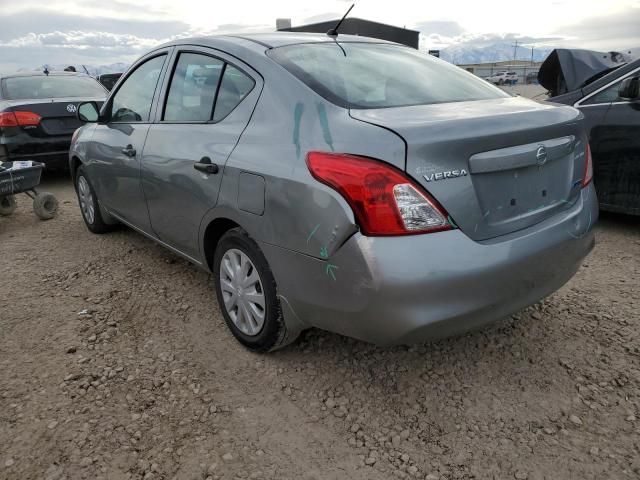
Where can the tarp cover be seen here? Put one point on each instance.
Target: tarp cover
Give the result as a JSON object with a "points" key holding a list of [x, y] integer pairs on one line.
{"points": [[565, 70]]}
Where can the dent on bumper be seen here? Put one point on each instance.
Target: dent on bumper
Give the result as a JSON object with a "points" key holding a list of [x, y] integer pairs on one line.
{"points": [[390, 290]]}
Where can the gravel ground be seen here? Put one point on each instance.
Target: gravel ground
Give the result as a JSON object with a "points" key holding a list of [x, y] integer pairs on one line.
{"points": [[115, 363]]}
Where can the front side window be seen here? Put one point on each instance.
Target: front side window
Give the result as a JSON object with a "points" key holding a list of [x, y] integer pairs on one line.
{"points": [[132, 102], [608, 95], [370, 75], [193, 88]]}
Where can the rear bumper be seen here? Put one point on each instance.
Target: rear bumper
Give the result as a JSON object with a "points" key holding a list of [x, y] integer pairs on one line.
{"points": [[52, 151], [410, 289]]}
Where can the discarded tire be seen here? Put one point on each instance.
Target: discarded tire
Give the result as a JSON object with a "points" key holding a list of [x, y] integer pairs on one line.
{"points": [[45, 205], [8, 205]]}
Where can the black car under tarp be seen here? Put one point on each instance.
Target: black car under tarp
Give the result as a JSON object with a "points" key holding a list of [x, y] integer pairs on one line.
{"points": [[565, 70]]}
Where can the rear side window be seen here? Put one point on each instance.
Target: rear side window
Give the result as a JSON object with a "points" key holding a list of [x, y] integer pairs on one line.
{"points": [[52, 86], [235, 86], [193, 88], [369, 75], [132, 101]]}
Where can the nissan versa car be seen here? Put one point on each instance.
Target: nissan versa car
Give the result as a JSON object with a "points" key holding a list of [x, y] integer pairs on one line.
{"points": [[346, 183], [38, 114]]}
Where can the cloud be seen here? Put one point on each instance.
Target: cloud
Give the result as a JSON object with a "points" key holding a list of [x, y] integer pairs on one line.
{"points": [[445, 28], [618, 31], [81, 40], [322, 17], [21, 23]]}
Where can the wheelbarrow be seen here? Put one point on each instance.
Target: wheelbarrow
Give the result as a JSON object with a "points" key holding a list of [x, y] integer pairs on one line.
{"points": [[24, 177]]}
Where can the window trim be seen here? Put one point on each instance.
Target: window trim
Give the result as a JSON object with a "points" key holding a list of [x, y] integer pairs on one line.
{"points": [[225, 62], [580, 103], [109, 102]]}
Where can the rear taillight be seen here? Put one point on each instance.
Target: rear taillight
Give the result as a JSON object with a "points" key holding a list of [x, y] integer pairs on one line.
{"points": [[383, 199], [588, 167], [19, 119]]}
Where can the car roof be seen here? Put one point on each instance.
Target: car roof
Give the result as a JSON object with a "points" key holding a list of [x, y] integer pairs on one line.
{"points": [[272, 39]]}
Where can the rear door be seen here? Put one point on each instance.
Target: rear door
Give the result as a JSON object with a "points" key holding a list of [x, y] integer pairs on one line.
{"points": [[116, 146], [208, 100]]}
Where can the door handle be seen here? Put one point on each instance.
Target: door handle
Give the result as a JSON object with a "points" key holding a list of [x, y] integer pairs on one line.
{"points": [[205, 165], [129, 151]]}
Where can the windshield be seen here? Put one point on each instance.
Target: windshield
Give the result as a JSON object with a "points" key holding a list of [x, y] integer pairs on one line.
{"points": [[370, 75], [52, 86]]}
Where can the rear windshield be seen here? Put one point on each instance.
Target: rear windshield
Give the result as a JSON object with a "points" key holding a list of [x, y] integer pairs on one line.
{"points": [[52, 86], [370, 75]]}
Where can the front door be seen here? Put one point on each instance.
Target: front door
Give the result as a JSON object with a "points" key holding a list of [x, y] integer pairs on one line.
{"points": [[117, 144], [615, 143], [208, 103], [619, 162]]}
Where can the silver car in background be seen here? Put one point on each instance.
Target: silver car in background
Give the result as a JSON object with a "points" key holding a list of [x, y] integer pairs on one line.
{"points": [[348, 184]]}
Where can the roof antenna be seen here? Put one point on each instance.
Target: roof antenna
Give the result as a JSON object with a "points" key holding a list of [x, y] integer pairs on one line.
{"points": [[333, 32]]}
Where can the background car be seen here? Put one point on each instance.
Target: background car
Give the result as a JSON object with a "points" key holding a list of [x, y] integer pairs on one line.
{"points": [[38, 114], [502, 78], [532, 77], [108, 80], [611, 107], [348, 184]]}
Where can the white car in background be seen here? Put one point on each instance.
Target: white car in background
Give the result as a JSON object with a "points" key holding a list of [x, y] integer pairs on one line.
{"points": [[501, 78]]}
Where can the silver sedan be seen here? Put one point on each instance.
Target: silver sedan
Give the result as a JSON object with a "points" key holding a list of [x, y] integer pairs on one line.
{"points": [[345, 183]]}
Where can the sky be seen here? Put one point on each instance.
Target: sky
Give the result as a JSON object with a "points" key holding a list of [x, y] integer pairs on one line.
{"points": [[100, 32]]}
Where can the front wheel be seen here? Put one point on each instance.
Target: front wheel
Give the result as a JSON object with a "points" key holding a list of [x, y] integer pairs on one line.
{"points": [[247, 293], [89, 204], [500, 82]]}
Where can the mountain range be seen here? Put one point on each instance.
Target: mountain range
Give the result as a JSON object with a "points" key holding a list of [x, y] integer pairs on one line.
{"points": [[462, 53], [466, 53], [93, 70]]}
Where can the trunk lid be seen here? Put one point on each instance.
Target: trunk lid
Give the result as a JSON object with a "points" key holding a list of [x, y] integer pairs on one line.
{"points": [[58, 114], [496, 166]]}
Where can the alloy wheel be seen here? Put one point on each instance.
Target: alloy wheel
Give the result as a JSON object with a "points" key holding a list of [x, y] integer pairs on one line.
{"points": [[86, 200]]}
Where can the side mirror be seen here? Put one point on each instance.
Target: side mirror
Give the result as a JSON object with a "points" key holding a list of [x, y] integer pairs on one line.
{"points": [[630, 89], [88, 112]]}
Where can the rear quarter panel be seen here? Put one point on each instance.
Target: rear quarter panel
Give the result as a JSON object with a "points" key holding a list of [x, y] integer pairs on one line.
{"points": [[290, 120]]}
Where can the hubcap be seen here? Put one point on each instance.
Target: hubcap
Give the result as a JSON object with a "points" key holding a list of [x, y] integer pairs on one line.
{"points": [[86, 200], [242, 292]]}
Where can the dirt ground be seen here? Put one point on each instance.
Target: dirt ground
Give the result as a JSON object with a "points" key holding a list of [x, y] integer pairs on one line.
{"points": [[532, 90], [115, 363]]}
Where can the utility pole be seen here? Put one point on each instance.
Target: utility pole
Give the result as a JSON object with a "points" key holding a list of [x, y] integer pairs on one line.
{"points": [[532, 55], [515, 49]]}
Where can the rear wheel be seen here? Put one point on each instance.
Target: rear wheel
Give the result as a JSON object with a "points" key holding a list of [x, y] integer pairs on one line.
{"points": [[89, 204], [247, 293], [501, 82], [8, 205]]}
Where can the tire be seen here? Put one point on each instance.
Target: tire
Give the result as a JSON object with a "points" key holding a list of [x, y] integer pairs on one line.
{"points": [[272, 333], [45, 205], [500, 82], [8, 205], [88, 202]]}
